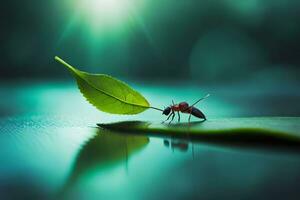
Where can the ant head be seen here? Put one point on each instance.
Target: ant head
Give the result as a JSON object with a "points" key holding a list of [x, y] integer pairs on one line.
{"points": [[167, 111]]}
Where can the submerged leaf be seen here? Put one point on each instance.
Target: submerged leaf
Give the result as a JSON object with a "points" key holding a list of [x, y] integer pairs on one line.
{"points": [[107, 93]]}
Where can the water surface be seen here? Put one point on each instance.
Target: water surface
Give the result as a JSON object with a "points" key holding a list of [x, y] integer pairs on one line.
{"points": [[51, 148]]}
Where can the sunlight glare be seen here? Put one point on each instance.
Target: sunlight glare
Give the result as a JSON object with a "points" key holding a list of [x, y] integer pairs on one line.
{"points": [[105, 12]]}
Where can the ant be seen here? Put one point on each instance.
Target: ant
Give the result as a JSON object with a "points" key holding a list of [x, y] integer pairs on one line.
{"points": [[183, 107]]}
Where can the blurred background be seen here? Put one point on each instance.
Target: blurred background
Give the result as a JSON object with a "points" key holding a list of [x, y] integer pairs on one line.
{"points": [[245, 53], [208, 41]]}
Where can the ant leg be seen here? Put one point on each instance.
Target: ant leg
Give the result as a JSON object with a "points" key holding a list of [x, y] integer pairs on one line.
{"points": [[173, 115], [190, 117], [178, 116], [167, 118]]}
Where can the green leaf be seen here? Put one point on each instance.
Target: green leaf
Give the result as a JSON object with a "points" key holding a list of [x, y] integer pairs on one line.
{"points": [[253, 129], [107, 93]]}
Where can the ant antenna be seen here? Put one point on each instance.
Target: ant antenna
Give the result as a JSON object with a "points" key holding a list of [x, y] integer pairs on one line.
{"points": [[156, 108], [198, 101]]}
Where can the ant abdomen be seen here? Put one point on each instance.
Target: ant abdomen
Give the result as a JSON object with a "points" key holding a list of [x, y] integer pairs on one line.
{"points": [[197, 113]]}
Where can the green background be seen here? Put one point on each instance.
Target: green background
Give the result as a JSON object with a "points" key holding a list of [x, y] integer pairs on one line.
{"points": [[200, 40]]}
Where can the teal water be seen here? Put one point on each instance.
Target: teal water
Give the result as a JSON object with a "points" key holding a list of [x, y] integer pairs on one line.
{"points": [[52, 149]]}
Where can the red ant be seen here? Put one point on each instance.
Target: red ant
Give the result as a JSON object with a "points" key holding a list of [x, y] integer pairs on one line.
{"points": [[184, 108]]}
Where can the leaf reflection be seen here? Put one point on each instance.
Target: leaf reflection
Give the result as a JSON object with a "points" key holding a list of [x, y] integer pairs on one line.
{"points": [[104, 151]]}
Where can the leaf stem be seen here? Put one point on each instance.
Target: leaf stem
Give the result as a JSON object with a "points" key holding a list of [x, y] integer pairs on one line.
{"points": [[156, 108], [58, 59]]}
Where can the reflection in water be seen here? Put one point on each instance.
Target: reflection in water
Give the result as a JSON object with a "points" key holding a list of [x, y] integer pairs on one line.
{"points": [[102, 152], [109, 149], [253, 139], [180, 145]]}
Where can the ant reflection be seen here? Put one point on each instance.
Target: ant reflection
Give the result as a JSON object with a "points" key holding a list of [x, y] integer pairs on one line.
{"points": [[180, 145]]}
